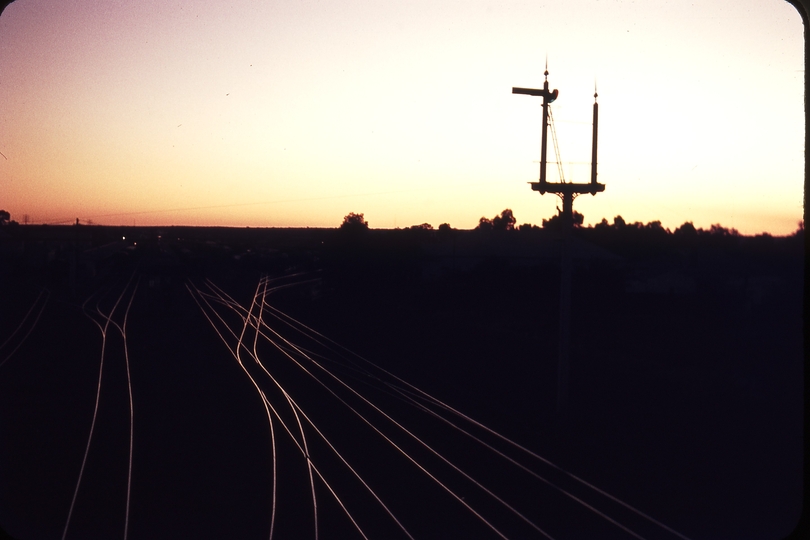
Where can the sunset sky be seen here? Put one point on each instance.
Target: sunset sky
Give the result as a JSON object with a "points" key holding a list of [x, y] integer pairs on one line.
{"points": [[287, 114]]}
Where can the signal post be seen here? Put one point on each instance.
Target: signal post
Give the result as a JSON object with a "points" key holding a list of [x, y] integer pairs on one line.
{"points": [[567, 191]]}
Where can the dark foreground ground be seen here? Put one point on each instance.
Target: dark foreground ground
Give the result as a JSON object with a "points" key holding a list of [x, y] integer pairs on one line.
{"points": [[685, 387]]}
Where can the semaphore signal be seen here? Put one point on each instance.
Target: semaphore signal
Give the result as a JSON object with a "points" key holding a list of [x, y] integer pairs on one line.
{"points": [[567, 191]]}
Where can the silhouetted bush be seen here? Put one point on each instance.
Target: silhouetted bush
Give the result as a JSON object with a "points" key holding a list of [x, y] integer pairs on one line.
{"points": [[484, 224], [555, 222], [505, 222], [354, 223], [686, 231]]}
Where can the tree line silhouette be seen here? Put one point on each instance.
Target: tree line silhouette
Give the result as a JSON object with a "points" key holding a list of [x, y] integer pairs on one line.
{"points": [[506, 221]]}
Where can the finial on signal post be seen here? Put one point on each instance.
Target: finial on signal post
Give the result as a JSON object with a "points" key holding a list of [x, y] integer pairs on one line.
{"points": [[594, 185]]}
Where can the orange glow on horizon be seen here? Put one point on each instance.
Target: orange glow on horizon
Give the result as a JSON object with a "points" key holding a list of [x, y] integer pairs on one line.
{"points": [[262, 116]]}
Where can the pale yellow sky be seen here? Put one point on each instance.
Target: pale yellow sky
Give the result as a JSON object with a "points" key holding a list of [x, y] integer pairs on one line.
{"points": [[253, 113]]}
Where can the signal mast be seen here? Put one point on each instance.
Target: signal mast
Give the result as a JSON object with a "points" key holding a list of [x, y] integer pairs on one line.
{"points": [[567, 191]]}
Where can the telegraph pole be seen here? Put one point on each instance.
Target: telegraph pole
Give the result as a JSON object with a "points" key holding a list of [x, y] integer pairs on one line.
{"points": [[567, 191]]}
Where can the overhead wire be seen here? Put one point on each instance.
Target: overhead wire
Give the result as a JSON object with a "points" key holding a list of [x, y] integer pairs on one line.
{"points": [[556, 145]]}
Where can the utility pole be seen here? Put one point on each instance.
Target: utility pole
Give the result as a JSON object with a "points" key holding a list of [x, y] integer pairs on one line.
{"points": [[567, 191]]}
